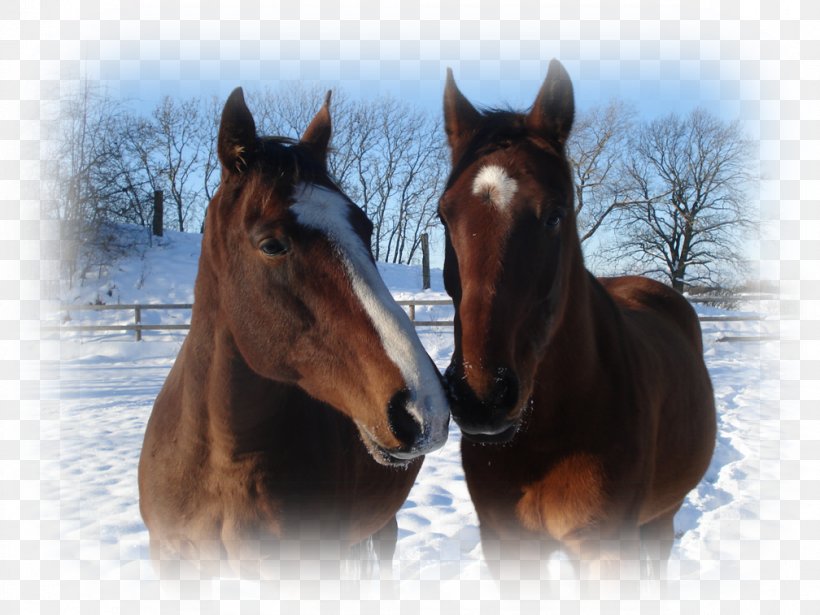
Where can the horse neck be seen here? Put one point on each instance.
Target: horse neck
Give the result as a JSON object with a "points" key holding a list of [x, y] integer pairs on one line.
{"points": [[576, 376], [219, 388], [574, 352]]}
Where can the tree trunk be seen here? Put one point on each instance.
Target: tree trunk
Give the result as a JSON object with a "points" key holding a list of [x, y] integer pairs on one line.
{"points": [[425, 261], [158, 207]]}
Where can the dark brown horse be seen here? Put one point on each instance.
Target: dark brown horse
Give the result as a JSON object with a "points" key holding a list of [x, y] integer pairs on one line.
{"points": [[586, 410], [302, 400]]}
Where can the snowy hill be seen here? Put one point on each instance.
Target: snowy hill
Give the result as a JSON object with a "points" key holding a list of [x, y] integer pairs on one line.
{"points": [[108, 384], [165, 271]]}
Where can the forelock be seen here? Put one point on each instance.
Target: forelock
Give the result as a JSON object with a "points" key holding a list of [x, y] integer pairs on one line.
{"points": [[495, 185]]}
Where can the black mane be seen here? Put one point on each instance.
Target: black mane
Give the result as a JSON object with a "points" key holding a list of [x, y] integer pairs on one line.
{"points": [[290, 162]]}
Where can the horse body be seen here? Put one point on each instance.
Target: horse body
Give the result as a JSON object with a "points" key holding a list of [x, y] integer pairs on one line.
{"points": [[601, 445], [249, 459], [585, 406], [301, 402]]}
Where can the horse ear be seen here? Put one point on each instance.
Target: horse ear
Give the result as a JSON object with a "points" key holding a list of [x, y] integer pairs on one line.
{"points": [[460, 117], [554, 108], [236, 143], [317, 134]]}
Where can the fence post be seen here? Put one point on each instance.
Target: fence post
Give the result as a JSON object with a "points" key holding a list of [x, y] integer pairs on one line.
{"points": [[158, 214], [412, 311], [138, 322], [425, 261]]}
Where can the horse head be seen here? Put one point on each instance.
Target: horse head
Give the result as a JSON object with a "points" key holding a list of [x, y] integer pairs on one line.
{"points": [[286, 260], [511, 249]]}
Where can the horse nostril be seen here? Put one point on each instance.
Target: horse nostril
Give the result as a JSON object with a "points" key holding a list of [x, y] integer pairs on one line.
{"points": [[403, 424], [504, 393]]}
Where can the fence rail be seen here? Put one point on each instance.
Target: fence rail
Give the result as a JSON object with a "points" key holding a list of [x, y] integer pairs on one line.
{"points": [[138, 326]]}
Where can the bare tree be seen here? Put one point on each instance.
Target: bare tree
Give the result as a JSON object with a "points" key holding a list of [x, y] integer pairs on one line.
{"points": [[691, 234], [86, 186], [361, 142], [137, 177], [86, 143], [110, 161], [287, 110], [209, 130], [179, 156], [423, 171], [386, 155], [172, 151], [398, 166], [596, 149]]}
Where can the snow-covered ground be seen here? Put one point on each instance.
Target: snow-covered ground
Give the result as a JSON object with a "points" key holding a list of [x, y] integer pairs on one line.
{"points": [[108, 384]]}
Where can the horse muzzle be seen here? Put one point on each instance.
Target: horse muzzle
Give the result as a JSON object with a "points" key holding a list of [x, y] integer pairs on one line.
{"points": [[492, 417], [420, 426]]}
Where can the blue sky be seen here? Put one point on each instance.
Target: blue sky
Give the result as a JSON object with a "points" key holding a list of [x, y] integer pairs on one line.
{"points": [[656, 87], [658, 66], [667, 58]]}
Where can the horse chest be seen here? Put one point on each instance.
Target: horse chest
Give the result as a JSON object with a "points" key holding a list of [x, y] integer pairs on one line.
{"points": [[567, 498]]}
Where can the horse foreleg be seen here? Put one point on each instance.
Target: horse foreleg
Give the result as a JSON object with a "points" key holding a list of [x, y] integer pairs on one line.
{"points": [[657, 538], [384, 543], [605, 555], [491, 549]]}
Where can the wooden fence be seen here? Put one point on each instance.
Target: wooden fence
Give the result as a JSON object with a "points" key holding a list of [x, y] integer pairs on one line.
{"points": [[139, 309], [736, 317]]}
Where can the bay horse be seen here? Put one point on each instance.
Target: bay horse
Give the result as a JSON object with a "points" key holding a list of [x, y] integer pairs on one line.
{"points": [[586, 410], [301, 402]]}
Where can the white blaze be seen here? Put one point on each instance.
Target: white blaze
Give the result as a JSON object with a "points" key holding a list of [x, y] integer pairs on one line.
{"points": [[493, 182], [327, 211]]}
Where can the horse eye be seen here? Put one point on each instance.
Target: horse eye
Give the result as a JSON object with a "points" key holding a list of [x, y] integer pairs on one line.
{"points": [[274, 247], [553, 220]]}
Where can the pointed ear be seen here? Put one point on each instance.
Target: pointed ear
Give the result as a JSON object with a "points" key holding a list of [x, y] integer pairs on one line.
{"points": [[460, 117], [317, 134], [236, 143], [554, 108]]}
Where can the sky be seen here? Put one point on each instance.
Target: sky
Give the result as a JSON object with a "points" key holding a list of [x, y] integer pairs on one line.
{"points": [[496, 63], [658, 76], [667, 58], [660, 60]]}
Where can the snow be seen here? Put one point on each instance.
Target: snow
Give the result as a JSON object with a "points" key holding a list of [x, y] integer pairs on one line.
{"points": [[108, 384]]}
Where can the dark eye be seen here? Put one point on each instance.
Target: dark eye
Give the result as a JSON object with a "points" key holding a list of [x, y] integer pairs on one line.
{"points": [[274, 246], [554, 219]]}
